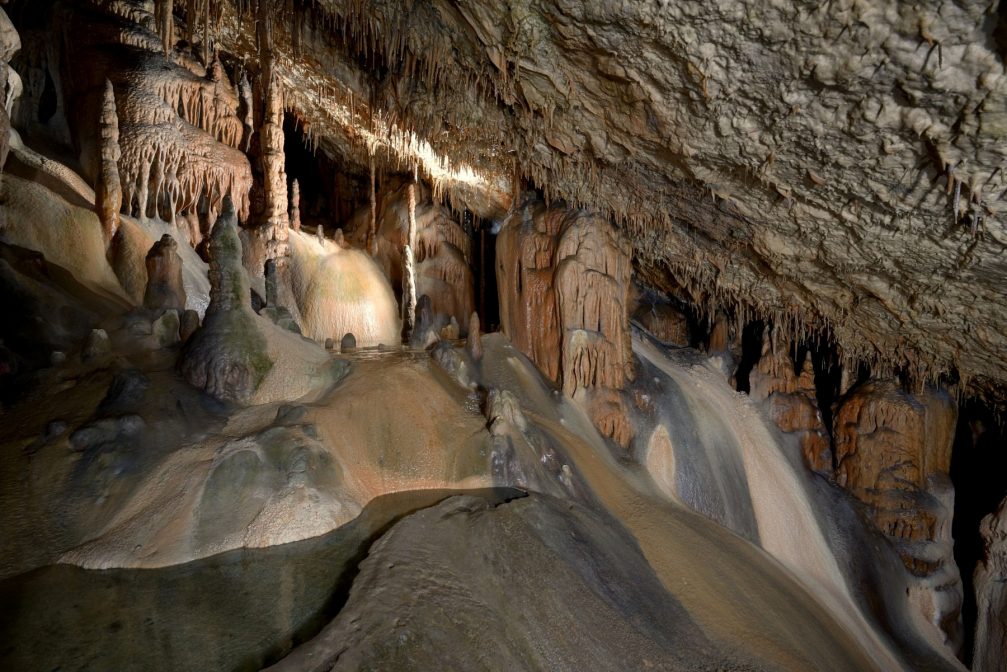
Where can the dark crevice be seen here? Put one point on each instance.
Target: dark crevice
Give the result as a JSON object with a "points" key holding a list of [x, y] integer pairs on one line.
{"points": [[978, 463], [751, 351]]}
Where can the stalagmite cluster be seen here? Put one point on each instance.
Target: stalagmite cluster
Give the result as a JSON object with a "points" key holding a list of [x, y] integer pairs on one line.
{"points": [[791, 401], [893, 453]]}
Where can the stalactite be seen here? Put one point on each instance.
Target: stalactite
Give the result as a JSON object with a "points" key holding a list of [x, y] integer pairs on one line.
{"points": [[108, 191], [165, 24]]}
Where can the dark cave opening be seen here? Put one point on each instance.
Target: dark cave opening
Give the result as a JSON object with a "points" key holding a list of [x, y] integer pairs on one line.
{"points": [[484, 271], [978, 463], [48, 104], [751, 351]]}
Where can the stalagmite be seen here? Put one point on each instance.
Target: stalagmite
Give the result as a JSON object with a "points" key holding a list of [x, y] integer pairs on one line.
{"points": [[295, 206], [409, 264], [228, 355], [108, 192], [320, 234], [474, 341], [164, 276], [990, 650]]}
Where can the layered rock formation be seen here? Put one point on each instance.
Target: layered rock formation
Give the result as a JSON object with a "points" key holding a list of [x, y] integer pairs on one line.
{"points": [[893, 453], [991, 594], [792, 403], [565, 281]]}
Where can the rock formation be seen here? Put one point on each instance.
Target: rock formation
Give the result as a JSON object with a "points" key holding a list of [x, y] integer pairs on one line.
{"points": [[108, 192], [893, 453], [565, 280], [991, 595], [164, 276], [227, 356], [441, 250], [295, 206], [10, 83], [664, 322], [791, 402]]}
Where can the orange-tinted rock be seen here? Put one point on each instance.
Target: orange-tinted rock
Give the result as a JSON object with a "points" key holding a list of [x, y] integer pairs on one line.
{"points": [[893, 453], [991, 594], [564, 278], [791, 402]]}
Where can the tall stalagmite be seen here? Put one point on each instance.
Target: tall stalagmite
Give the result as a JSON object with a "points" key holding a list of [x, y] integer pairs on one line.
{"points": [[108, 191]]}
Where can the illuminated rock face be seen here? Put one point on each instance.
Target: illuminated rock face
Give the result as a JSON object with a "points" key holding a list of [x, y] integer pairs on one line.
{"points": [[791, 401], [991, 595], [564, 299], [893, 453], [442, 253]]}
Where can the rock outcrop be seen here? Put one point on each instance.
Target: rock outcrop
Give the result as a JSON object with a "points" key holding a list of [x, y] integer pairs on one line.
{"points": [[164, 276], [565, 280], [893, 453], [791, 402], [990, 580]]}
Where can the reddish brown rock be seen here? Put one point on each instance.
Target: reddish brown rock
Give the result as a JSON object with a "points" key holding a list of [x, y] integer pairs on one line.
{"points": [[164, 276], [893, 453], [792, 404], [565, 280]]}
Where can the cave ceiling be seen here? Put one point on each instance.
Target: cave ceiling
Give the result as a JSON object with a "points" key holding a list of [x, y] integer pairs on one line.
{"points": [[834, 166]]}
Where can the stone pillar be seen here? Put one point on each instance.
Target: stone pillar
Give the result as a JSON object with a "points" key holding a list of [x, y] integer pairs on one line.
{"points": [[295, 206], [409, 266], [108, 191]]}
